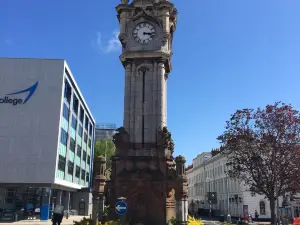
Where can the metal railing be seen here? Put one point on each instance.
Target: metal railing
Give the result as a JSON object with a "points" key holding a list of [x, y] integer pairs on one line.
{"points": [[106, 126]]}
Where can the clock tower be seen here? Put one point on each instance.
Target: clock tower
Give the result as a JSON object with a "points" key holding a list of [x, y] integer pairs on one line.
{"points": [[144, 170], [146, 34]]}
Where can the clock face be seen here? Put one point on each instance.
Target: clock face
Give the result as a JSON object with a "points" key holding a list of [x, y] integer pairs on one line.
{"points": [[143, 33]]}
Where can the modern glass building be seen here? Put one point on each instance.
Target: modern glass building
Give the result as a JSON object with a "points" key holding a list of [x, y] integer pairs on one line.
{"points": [[46, 140]]}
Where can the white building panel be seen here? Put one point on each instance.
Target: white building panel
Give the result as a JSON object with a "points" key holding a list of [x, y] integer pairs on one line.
{"points": [[29, 130]]}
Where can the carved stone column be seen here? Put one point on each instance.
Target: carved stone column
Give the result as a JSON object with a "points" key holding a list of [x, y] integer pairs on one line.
{"points": [[154, 101], [170, 205], [181, 192], [98, 189], [111, 189], [127, 97], [160, 120], [133, 89]]}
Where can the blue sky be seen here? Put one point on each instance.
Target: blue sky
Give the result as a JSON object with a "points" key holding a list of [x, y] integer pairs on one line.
{"points": [[228, 55]]}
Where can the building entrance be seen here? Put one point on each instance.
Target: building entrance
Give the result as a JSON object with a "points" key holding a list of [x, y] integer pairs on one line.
{"points": [[81, 210]]}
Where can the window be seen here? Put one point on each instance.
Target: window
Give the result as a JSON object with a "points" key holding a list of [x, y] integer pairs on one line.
{"points": [[63, 137], [80, 131], [68, 91], [82, 174], [86, 123], [10, 195], [75, 104], [90, 143], [87, 177], [66, 112], [77, 172], [88, 159], [84, 156], [61, 163], [79, 151], [262, 208], [85, 137], [72, 145], [91, 129], [74, 122], [70, 167], [81, 115]]}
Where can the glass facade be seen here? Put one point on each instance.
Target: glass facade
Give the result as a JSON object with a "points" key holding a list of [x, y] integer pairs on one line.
{"points": [[76, 138]]}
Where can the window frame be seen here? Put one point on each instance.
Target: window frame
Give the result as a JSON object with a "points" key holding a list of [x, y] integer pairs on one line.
{"points": [[82, 174], [77, 171], [61, 163], [64, 137], [72, 146], [70, 165], [74, 123], [87, 176], [79, 150], [262, 208]]}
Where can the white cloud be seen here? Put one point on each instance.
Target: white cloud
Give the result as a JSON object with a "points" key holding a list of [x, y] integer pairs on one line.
{"points": [[8, 41], [112, 45]]}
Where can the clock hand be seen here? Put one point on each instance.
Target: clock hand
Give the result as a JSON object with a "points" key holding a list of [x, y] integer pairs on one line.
{"points": [[147, 33]]}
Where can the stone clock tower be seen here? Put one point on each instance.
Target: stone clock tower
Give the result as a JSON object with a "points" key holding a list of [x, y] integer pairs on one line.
{"points": [[144, 170]]}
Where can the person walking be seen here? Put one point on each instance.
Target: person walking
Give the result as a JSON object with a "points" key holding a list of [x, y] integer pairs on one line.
{"points": [[256, 215], [58, 214]]}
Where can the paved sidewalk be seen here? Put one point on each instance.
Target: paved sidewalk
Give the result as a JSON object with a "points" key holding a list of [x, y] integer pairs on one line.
{"points": [[39, 222]]}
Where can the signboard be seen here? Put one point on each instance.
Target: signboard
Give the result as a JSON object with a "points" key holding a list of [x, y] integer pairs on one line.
{"points": [[13, 99], [121, 208]]}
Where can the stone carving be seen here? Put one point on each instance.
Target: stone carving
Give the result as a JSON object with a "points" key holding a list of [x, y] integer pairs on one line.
{"points": [[123, 39], [121, 137], [165, 140], [125, 2], [108, 174], [173, 16], [165, 37]]}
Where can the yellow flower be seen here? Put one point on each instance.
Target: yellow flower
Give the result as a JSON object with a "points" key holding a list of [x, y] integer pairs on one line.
{"points": [[193, 221]]}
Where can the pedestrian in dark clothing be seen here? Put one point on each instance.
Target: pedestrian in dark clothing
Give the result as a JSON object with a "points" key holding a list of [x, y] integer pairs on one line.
{"points": [[58, 214], [256, 215]]}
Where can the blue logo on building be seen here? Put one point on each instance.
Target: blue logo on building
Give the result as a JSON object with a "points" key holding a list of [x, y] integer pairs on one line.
{"points": [[16, 101]]}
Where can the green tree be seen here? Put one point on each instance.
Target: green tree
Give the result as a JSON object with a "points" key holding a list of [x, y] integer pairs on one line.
{"points": [[105, 148], [262, 148]]}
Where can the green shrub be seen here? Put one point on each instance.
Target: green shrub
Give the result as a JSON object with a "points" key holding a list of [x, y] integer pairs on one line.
{"points": [[87, 221], [84, 221]]}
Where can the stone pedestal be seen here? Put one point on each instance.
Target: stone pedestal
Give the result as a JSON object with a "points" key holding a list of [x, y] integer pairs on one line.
{"points": [[98, 189], [95, 211], [181, 191], [181, 211]]}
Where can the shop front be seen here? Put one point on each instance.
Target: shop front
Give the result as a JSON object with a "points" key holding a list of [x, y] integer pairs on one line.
{"points": [[22, 203]]}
